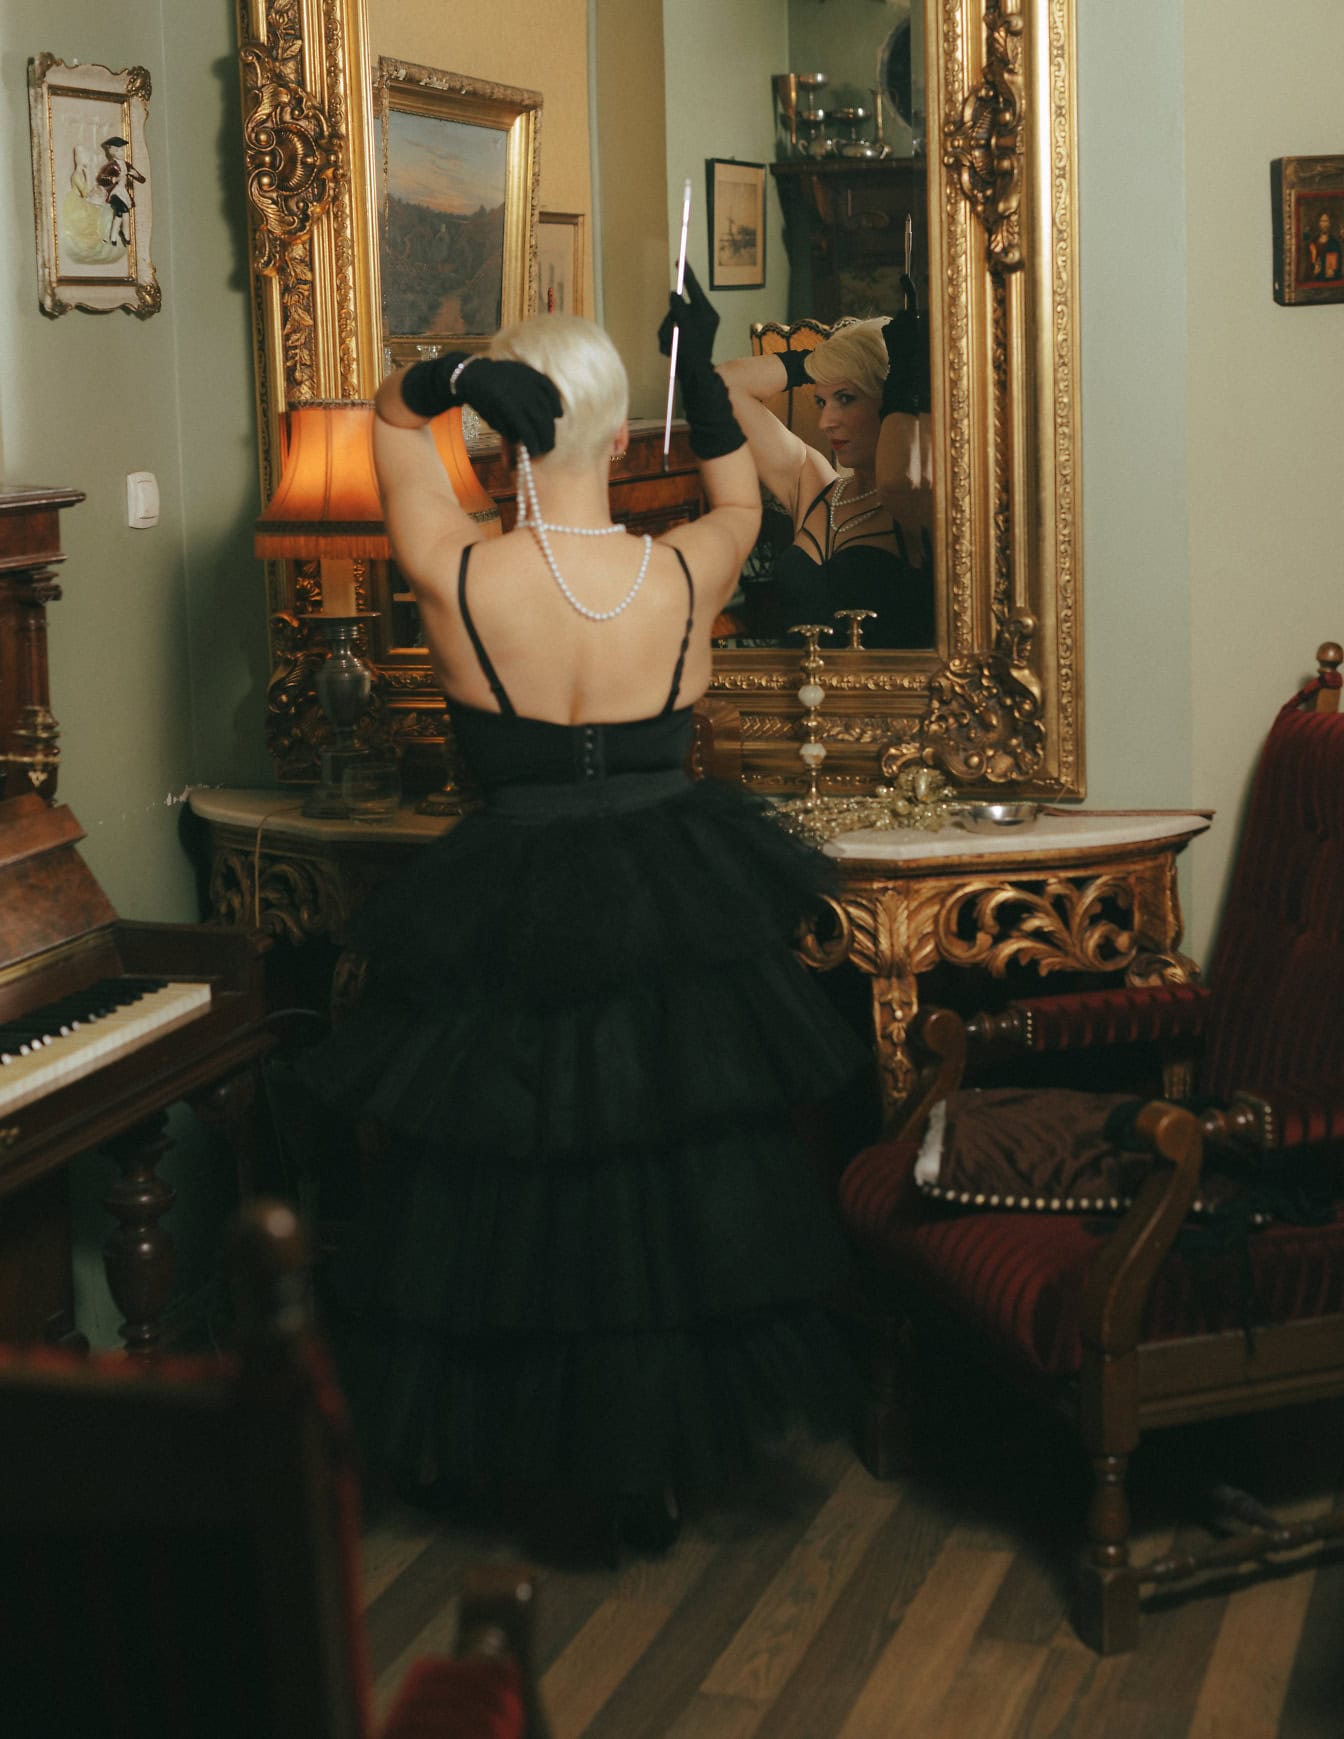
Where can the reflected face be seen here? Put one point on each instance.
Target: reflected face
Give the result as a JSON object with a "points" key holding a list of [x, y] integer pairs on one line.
{"points": [[850, 421]]}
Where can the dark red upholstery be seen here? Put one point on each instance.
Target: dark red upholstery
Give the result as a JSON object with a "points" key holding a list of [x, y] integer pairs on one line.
{"points": [[1080, 1019], [1018, 1278], [440, 1699], [1278, 967]]}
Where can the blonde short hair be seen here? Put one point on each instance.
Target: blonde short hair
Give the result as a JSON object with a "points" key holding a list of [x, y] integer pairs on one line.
{"points": [[855, 351], [587, 372]]}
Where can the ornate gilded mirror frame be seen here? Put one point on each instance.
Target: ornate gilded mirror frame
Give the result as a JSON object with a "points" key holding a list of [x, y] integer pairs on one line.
{"points": [[1001, 701]]}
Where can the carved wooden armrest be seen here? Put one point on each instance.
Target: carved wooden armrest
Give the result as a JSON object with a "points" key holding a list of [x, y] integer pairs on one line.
{"points": [[1286, 1118], [1116, 1293], [938, 1039], [1084, 1019]]}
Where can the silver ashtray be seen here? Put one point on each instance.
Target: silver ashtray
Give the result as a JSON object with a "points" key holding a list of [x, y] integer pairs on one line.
{"points": [[991, 817]]}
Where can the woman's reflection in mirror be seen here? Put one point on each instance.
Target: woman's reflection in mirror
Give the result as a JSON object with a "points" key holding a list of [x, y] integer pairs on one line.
{"points": [[861, 521]]}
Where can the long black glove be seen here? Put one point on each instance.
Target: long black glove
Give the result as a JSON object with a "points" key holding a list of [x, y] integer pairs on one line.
{"points": [[714, 429], [908, 386], [518, 401], [795, 367]]}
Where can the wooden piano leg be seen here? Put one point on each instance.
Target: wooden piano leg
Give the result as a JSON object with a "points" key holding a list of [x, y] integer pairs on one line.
{"points": [[139, 1256]]}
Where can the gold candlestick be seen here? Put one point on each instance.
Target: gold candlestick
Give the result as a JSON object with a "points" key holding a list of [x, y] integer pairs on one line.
{"points": [[812, 695], [856, 619]]}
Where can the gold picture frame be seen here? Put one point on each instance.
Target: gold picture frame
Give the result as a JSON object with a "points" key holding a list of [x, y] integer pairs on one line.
{"points": [[1307, 211], [91, 188], [735, 205], [560, 248], [1003, 301], [457, 208]]}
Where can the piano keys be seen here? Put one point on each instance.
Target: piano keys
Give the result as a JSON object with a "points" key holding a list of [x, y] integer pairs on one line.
{"points": [[154, 1014]]}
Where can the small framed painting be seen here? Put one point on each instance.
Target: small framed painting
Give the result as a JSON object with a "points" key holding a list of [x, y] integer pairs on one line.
{"points": [[1307, 207], [736, 204], [560, 262], [91, 188], [458, 208]]}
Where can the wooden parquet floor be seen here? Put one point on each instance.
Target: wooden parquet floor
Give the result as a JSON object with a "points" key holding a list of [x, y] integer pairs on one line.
{"points": [[818, 1603]]}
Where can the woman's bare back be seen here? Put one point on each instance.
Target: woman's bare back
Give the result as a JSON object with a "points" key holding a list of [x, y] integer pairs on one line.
{"points": [[553, 662]]}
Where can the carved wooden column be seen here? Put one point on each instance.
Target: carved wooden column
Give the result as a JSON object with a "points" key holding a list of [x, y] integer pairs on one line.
{"points": [[30, 549]]}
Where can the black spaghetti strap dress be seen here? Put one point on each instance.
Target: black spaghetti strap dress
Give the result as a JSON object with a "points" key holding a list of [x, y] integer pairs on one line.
{"points": [[597, 1252], [812, 579]]}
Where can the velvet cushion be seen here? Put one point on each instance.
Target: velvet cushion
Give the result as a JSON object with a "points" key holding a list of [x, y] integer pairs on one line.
{"points": [[1044, 1151], [1018, 1279]]}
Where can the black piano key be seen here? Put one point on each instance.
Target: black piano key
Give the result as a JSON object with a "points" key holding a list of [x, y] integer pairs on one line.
{"points": [[22, 1035]]}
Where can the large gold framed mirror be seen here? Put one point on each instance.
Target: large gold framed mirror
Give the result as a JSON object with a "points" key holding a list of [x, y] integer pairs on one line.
{"points": [[999, 699]]}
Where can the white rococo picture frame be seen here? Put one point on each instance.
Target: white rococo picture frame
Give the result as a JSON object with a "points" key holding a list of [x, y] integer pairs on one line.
{"points": [[92, 193]]}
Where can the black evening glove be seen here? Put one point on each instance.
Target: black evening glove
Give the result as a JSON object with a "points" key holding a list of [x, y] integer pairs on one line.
{"points": [[906, 335], [795, 367], [714, 429], [518, 401]]}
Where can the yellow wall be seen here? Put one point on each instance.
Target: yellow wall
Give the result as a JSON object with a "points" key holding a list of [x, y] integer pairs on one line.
{"points": [[514, 42], [632, 177]]}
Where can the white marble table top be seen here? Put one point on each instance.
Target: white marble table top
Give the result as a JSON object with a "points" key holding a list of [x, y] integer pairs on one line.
{"points": [[1051, 834], [279, 813]]}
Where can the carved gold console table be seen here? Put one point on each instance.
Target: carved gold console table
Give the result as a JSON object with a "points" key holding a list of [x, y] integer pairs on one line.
{"points": [[1083, 891]]}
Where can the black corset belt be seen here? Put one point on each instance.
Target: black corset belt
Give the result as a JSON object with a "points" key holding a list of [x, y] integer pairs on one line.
{"points": [[616, 794]]}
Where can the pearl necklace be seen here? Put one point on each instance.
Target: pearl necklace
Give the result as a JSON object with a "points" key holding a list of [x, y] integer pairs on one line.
{"points": [[854, 500], [529, 514]]}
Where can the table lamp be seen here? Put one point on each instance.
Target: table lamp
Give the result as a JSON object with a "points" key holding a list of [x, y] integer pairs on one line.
{"points": [[326, 509]]}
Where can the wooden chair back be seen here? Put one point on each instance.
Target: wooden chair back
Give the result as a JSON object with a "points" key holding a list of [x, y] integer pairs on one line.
{"points": [[179, 1540]]}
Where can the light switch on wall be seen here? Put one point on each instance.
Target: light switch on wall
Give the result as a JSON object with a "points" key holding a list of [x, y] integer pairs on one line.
{"points": [[142, 499]]}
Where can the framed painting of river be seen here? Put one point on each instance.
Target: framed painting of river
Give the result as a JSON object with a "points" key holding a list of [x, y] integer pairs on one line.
{"points": [[458, 208]]}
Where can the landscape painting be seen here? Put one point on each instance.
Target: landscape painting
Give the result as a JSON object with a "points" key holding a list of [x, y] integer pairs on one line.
{"points": [[457, 249]]}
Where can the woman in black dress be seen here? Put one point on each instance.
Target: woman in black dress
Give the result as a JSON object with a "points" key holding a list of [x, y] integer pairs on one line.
{"points": [[861, 525], [597, 1253]]}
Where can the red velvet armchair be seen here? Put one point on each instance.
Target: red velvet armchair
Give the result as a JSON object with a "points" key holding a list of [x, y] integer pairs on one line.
{"points": [[180, 1547], [1118, 1323]]}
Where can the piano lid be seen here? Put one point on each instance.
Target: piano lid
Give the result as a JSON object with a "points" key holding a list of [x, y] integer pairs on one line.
{"points": [[48, 894]]}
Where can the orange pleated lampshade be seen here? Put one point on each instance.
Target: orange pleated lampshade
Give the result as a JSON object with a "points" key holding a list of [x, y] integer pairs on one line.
{"points": [[326, 502]]}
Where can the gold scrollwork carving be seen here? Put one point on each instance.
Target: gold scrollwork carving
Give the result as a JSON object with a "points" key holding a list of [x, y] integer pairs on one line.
{"points": [[984, 138], [1061, 928], [984, 716], [293, 899], [294, 155], [1149, 968]]}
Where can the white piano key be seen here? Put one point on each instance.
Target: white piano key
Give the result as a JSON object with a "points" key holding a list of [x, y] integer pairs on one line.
{"points": [[91, 1046]]}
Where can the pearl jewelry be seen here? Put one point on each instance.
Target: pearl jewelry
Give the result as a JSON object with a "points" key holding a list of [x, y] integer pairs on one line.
{"points": [[854, 500], [529, 514]]}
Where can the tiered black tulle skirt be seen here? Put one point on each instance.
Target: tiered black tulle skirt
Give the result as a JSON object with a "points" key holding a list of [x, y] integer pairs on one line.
{"points": [[596, 1254]]}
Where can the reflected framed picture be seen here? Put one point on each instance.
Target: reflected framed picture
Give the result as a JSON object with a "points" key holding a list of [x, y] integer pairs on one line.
{"points": [[457, 239], [91, 188], [735, 194], [560, 246], [1307, 209]]}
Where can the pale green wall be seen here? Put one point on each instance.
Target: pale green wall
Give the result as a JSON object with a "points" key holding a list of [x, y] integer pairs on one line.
{"points": [[158, 648], [1266, 445], [719, 58], [1131, 200], [1212, 452]]}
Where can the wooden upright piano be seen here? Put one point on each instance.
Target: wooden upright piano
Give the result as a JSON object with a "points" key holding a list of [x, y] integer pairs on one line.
{"points": [[104, 1023]]}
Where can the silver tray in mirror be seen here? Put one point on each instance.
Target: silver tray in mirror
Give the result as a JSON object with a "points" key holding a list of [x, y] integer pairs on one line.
{"points": [[992, 817]]}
